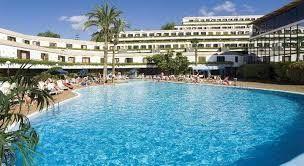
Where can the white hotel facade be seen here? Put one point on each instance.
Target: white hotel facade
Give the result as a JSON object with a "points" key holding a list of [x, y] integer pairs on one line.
{"points": [[215, 35]]}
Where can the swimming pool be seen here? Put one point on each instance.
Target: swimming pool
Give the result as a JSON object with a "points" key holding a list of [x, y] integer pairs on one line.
{"points": [[147, 123]]}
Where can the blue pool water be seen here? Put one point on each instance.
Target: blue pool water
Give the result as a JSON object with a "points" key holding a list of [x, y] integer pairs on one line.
{"points": [[147, 123]]}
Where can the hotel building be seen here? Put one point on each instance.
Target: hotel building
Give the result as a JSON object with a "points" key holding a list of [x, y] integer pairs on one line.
{"points": [[222, 41], [279, 35]]}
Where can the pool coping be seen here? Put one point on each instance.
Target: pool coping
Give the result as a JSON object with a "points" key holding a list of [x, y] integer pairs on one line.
{"points": [[236, 87], [37, 113]]}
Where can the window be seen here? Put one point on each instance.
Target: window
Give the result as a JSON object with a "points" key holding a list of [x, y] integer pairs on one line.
{"points": [[96, 48], [116, 60], [85, 60], [69, 46], [10, 38], [135, 47], [236, 59], [21, 54], [188, 33], [53, 45], [220, 59], [102, 60], [129, 60], [143, 47], [37, 43], [287, 59], [44, 56], [130, 35], [84, 47], [61, 58], [71, 59], [145, 60], [201, 59], [26, 41]]}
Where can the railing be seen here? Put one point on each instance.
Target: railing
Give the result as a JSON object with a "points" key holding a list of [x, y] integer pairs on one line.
{"points": [[66, 64]]}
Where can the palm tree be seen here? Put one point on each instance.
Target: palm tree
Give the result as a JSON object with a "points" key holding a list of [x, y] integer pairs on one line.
{"points": [[103, 18], [195, 45], [119, 26], [23, 139]]}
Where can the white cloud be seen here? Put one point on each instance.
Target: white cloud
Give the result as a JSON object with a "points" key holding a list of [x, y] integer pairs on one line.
{"points": [[205, 12], [63, 18], [226, 8], [77, 22]]}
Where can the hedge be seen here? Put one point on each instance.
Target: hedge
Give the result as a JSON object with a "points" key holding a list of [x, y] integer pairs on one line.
{"points": [[280, 72], [255, 71], [295, 72], [52, 63]]}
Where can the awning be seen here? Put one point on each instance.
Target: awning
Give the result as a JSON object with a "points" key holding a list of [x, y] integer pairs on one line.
{"points": [[201, 68], [206, 67], [61, 72]]}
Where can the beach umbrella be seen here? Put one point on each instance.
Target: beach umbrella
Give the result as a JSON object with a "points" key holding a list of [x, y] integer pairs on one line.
{"points": [[61, 72]]}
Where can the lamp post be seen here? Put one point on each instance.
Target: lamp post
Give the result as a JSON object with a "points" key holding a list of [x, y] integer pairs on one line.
{"points": [[8, 63]]}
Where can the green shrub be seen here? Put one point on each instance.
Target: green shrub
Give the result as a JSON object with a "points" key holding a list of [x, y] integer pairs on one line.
{"points": [[280, 71], [44, 76], [256, 71], [292, 72], [295, 72], [54, 70], [52, 63]]}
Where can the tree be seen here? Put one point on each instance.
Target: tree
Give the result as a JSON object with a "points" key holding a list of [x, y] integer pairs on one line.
{"points": [[119, 26], [23, 139], [195, 45], [169, 64], [49, 34], [169, 26], [181, 64], [103, 18]]}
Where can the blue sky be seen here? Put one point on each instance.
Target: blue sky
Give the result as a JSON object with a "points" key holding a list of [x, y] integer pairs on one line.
{"points": [[65, 16]]}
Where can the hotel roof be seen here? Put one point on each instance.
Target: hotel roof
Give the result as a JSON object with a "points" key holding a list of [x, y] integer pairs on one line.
{"points": [[279, 11]]}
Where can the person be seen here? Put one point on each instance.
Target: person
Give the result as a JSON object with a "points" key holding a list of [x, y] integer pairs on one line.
{"points": [[226, 81]]}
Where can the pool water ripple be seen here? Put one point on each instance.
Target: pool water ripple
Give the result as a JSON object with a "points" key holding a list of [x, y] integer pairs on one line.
{"points": [[147, 123]]}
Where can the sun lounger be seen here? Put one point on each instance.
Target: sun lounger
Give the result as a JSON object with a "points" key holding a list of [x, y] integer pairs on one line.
{"points": [[52, 89], [61, 86]]}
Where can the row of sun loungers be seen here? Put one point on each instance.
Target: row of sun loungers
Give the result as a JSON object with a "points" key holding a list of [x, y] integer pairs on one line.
{"points": [[193, 79]]}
